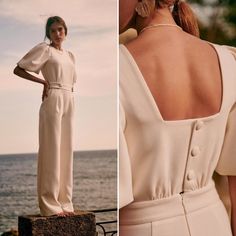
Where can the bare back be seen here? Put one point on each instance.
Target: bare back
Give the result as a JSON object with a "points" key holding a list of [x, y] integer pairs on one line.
{"points": [[182, 73]]}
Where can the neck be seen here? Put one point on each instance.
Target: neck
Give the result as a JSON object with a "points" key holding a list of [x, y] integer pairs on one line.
{"points": [[160, 16], [57, 46]]}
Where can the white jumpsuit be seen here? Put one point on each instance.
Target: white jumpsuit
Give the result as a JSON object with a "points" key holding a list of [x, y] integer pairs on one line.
{"points": [[55, 155], [166, 167]]}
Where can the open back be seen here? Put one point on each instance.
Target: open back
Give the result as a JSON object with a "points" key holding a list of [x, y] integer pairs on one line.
{"points": [[183, 75]]}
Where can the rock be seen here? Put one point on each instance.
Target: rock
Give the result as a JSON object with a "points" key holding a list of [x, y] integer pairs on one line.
{"points": [[80, 224]]}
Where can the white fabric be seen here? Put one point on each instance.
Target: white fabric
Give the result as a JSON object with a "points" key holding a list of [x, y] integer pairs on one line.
{"points": [[160, 159], [193, 213], [55, 156], [160, 152], [55, 65]]}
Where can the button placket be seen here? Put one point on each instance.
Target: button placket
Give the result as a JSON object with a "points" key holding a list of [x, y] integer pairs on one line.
{"points": [[194, 152]]}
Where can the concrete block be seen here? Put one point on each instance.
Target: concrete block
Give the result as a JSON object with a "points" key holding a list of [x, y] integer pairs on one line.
{"points": [[81, 224]]}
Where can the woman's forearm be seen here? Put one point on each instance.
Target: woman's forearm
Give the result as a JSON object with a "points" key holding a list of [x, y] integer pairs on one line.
{"points": [[232, 190], [24, 74]]}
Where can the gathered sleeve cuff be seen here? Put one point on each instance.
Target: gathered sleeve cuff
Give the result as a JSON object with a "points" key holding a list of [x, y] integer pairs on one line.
{"points": [[125, 174], [34, 60], [227, 161]]}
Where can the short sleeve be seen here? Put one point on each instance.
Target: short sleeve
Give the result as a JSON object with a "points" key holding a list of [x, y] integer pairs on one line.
{"points": [[125, 176], [74, 62], [227, 161], [34, 60]]}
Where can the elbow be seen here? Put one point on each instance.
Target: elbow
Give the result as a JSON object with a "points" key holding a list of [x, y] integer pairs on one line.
{"points": [[17, 70]]}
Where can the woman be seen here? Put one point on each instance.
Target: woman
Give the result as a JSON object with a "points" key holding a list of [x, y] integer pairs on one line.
{"points": [[55, 155], [178, 124]]}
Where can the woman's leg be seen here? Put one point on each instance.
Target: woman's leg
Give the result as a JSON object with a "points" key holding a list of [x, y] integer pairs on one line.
{"points": [[66, 167], [49, 157]]}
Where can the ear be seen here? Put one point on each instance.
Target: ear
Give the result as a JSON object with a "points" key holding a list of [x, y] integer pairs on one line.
{"points": [[145, 8]]}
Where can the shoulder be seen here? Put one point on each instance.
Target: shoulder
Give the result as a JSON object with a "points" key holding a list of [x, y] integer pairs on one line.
{"points": [[121, 49], [128, 68], [123, 56], [124, 53], [225, 48], [226, 54], [41, 50], [41, 46], [229, 68], [231, 49], [126, 58], [71, 55]]}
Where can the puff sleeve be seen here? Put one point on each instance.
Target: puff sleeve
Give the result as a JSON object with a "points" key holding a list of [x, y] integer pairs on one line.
{"points": [[74, 62], [125, 176], [34, 60], [232, 50], [227, 161]]}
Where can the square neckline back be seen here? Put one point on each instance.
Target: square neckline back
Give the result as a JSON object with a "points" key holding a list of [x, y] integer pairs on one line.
{"points": [[147, 90]]}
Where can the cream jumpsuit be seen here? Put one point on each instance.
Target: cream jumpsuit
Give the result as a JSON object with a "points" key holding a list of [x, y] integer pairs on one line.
{"points": [[55, 155], [166, 167]]}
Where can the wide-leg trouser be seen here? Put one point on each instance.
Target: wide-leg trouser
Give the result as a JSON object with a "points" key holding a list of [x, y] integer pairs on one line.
{"points": [[55, 156], [196, 213]]}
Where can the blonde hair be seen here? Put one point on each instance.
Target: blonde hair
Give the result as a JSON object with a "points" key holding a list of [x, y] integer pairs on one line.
{"points": [[182, 14]]}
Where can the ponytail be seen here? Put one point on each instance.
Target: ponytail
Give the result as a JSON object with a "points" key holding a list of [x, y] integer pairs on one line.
{"points": [[185, 18]]}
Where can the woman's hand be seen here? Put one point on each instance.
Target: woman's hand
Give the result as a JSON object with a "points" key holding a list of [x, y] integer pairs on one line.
{"points": [[45, 90], [232, 190], [24, 74]]}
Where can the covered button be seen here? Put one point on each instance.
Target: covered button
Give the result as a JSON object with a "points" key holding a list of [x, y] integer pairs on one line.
{"points": [[190, 175], [199, 125], [195, 151]]}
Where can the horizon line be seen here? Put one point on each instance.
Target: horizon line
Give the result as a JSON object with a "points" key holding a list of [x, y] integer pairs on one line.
{"points": [[83, 150]]}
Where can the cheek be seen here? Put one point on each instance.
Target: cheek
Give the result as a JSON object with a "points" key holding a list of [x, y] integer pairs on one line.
{"points": [[63, 33], [52, 34]]}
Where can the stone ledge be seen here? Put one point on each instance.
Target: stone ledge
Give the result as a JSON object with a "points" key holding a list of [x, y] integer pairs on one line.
{"points": [[81, 224]]}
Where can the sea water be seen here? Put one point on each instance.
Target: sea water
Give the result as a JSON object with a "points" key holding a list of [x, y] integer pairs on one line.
{"points": [[95, 185]]}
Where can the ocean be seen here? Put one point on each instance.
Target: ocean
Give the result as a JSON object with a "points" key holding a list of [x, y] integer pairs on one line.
{"points": [[95, 185]]}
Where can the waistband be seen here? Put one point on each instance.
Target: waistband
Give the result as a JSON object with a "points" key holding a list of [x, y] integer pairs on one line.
{"points": [[176, 205], [61, 86]]}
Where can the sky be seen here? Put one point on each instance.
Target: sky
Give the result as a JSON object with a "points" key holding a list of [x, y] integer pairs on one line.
{"points": [[92, 30]]}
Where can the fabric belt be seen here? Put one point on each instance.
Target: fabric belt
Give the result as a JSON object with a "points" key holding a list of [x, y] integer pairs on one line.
{"points": [[61, 86], [176, 205]]}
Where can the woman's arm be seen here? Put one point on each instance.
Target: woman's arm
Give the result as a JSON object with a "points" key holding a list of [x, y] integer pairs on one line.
{"points": [[24, 74], [232, 191]]}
